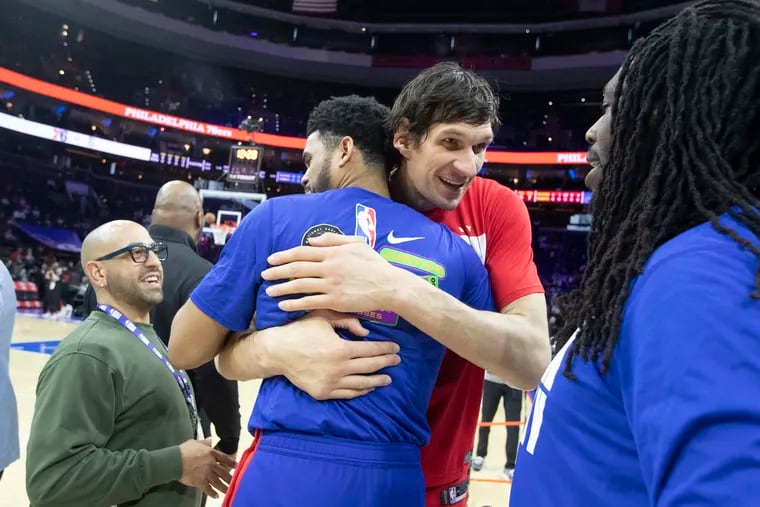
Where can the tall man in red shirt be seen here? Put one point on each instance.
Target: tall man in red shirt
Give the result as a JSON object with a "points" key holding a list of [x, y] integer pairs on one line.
{"points": [[442, 123]]}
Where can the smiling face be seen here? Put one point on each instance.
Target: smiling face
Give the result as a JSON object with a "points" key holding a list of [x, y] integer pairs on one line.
{"points": [[599, 136], [128, 283], [138, 284], [438, 169]]}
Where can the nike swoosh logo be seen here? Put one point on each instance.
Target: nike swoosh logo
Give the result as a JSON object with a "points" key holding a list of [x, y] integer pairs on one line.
{"points": [[393, 240]]}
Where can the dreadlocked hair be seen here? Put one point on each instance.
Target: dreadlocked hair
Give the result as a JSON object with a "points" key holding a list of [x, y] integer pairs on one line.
{"points": [[685, 149]]}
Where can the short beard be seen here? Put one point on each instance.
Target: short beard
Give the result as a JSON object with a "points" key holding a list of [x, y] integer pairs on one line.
{"points": [[322, 182], [131, 294]]}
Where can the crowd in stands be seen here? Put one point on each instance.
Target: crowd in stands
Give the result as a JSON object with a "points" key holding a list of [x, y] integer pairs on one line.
{"points": [[57, 275], [99, 64], [500, 49], [60, 281], [52, 195], [560, 257]]}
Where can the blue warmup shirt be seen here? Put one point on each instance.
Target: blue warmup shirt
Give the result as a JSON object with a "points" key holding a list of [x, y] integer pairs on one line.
{"points": [[676, 419], [234, 290]]}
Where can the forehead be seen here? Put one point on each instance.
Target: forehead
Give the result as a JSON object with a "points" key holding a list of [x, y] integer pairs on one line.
{"points": [[314, 143], [118, 244], [131, 235], [474, 133]]}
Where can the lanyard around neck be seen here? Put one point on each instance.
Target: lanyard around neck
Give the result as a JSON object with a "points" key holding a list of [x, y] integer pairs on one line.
{"points": [[179, 377]]}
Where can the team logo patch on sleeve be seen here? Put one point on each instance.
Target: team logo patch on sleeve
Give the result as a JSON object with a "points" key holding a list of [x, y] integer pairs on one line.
{"points": [[366, 224], [317, 230]]}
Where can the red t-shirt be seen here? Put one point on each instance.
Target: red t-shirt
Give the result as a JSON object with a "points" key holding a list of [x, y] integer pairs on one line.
{"points": [[494, 220]]}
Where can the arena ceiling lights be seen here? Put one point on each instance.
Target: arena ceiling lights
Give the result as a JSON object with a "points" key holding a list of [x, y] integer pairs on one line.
{"points": [[207, 129]]}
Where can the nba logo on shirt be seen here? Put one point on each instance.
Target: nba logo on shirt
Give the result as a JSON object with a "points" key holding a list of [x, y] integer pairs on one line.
{"points": [[366, 224]]}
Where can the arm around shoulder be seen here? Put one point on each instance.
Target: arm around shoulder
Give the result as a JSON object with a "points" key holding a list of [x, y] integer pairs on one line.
{"points": [[513, 344]]}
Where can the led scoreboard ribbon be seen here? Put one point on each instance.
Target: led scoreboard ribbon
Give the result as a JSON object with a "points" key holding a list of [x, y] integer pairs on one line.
{"points": [[245, 163]]}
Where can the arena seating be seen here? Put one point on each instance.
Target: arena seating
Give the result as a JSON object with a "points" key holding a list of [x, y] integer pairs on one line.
{"points": [[27, 297]]}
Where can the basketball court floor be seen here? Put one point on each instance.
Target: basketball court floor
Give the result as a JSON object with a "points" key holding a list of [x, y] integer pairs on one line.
{"points": [[34, 339]]}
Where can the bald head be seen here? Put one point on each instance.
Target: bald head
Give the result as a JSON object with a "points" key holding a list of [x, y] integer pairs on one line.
{"points": [[178, 205], [178, 195], [112, 236], [132, 286]]}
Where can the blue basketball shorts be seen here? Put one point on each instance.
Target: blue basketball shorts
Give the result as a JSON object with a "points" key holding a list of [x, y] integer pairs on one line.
{"points": [[295, 470]]}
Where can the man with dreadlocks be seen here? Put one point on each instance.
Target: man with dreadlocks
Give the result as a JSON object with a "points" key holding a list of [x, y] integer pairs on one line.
{"points": [[652, 399]]}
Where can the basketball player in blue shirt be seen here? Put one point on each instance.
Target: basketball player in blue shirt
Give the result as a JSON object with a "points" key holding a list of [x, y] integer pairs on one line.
{"points": [[352, 453], [652, 399]]}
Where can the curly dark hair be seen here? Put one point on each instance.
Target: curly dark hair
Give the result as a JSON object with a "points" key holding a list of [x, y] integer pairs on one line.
{"points": [[685, 149], [361, 118], [444, 93]]}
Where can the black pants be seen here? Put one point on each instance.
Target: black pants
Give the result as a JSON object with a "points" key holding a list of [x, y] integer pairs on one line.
{"points": [[492, 393], [51, 301], [218, 404]]}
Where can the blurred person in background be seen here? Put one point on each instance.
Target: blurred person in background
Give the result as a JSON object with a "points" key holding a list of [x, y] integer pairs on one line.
{"points": [[495, 390], [177, 221], [52, 273]]}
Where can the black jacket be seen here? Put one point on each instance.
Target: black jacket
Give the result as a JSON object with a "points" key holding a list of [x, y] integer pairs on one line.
{"points": [[183, 270]]}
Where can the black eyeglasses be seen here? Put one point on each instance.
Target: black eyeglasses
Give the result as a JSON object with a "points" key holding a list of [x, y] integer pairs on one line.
{"points": [[139, 252]]}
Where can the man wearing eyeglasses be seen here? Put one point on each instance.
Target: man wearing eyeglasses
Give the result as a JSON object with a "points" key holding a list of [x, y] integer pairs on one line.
{"points": [[177, 221], [114, 422]]}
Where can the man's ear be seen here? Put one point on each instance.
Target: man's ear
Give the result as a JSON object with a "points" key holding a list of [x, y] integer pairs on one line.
{"points": [[200, 220], [402, 139], [346, 150], [96, 273]]}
